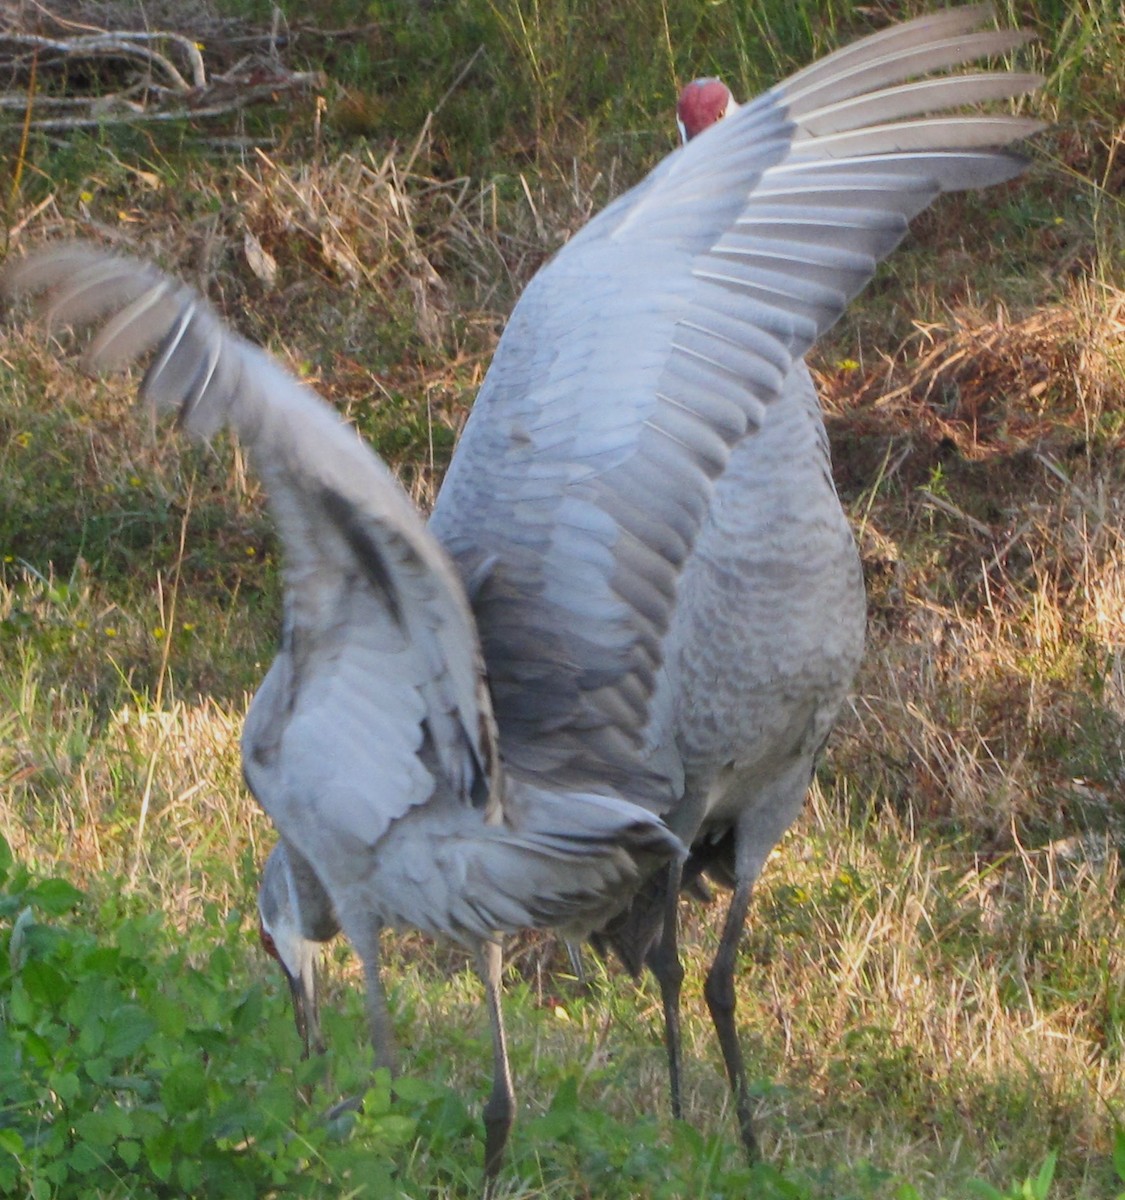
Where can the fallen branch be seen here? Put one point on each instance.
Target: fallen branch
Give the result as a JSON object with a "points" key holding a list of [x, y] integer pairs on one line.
{"points": [[126, 45], [160, 91]]}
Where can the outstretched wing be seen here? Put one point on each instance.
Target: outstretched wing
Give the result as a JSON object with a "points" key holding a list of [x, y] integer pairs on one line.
{"points": [[377, 697], [650, 345]]}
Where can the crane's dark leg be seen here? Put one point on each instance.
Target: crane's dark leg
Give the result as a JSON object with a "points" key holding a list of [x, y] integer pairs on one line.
{"points": [[719, 991], [664, 962], [500, 1110]]}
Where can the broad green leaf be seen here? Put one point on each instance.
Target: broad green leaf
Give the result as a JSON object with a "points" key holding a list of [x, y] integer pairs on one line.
{"points": [[169, 1015], [11, 1142], [56, 896], [396, 1130], [184, 1088], [189, 1174], [67, 1085], [127, 1031], [46, 986], [413, 1090], [91, 1033], [247, 1016], [377, 1098], [36, 1048], [97, 1128], [84, 1159], [98, 1069], [159, 1151]]}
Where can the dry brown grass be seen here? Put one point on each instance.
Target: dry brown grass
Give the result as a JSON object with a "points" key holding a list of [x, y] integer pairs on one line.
{"points": [[984, 458], [993, 386]]}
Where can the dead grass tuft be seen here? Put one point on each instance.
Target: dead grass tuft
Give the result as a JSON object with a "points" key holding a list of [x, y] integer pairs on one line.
{"points": [[987, 455], [989, 387]]}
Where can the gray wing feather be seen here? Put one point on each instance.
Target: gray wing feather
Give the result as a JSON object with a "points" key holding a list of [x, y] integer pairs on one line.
{"points": [[914, 99], [933, 29], [653, 342]]}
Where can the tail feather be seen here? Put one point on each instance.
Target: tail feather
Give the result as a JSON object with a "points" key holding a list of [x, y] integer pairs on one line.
{"points": [[569, 862], [589, 852]]}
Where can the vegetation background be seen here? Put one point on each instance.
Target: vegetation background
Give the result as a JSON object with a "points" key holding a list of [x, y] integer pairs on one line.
{"points": [[933, 984]]}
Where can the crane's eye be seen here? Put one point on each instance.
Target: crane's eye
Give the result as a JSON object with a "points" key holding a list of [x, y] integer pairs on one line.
{"points": [[268, 944]]}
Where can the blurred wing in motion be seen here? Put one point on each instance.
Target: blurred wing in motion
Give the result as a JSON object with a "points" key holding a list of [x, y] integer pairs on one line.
{"points": [[379, 651], [376, 708]]}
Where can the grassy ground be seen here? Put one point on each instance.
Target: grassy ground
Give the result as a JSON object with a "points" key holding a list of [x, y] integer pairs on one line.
{"points": [[933, 985]]}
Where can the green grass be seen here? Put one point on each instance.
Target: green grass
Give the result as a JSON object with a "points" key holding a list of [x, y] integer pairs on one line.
{"points": [[932, 987]]}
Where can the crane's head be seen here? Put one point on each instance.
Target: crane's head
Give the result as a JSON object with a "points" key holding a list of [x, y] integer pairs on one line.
{"points": [[702, 102], [294, 918]]}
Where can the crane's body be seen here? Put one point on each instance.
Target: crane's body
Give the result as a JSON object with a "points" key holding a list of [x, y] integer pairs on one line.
{"points": [[764, 643], [771, 610]]}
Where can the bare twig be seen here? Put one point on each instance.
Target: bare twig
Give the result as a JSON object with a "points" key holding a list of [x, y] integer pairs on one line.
{"points": [[132, 114], [123, 44], [163, 92]]}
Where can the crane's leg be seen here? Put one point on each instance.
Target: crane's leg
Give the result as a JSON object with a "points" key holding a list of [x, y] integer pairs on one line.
{"points": [[500, 1110], [369, 948], [664, 962], [366, 938], [719, 991]]}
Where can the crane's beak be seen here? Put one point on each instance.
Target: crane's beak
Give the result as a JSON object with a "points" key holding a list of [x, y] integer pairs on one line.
{"points": [[306, 1008]]}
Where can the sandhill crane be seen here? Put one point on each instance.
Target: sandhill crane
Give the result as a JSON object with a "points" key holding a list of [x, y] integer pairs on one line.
{"points": [[705, 695], [583, 489], [371, 742]]}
